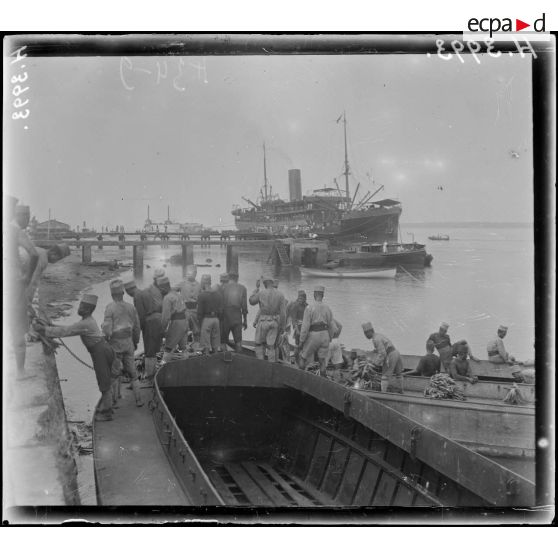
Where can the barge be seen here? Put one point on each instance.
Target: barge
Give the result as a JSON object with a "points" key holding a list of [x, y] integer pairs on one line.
{"points": [[243, 432]]}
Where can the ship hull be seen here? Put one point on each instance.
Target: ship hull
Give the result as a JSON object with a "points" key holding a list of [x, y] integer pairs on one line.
{"points": [[374, 225]]}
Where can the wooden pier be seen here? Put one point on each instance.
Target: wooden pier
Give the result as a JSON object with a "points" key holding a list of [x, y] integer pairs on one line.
{"points": [[139, 247]]}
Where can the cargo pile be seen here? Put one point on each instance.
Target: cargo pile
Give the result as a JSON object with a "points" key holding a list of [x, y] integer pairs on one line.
{"points": [[366, 375], [514, 396], [442, 386]]}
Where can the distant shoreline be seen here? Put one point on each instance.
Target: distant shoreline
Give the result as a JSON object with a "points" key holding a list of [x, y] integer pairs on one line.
{"points": [[470, 225]]}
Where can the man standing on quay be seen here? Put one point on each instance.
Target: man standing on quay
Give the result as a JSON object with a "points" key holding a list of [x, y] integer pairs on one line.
{"points": [[121, 328]]}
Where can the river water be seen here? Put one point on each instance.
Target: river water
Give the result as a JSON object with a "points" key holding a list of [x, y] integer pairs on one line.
{"points": [[480, 278]]}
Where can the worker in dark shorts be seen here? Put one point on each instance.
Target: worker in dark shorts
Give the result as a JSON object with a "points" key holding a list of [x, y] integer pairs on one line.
{"points": [[210, 308], [235, 311], [105, 363], [150, 307], [429, 364]]}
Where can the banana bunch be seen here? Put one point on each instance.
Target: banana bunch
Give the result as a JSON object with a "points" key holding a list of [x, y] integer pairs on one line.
{"points": [[442, 386], [366, 374], [514, 396]]}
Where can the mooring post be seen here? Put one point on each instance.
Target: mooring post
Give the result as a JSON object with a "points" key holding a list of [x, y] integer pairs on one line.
{"points": [[86, 253], [232, 259], [138, 258]]}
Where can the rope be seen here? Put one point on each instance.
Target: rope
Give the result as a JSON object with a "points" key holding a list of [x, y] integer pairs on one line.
{"points": [[74, 355], [49, 322], [411, 276]]}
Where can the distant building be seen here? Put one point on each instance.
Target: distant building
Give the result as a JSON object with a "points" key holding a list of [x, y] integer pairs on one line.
{"points": [[53, 226]]}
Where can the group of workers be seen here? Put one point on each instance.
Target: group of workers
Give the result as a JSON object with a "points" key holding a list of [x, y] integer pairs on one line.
{"points": [[166, 316], [455, 358]]}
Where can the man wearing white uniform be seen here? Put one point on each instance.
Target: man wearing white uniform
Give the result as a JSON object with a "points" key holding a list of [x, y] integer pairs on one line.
{"points": [[496, 351]]}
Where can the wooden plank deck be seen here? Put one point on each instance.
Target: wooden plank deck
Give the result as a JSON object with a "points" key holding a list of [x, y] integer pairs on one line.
{"points": [[131, 468]]}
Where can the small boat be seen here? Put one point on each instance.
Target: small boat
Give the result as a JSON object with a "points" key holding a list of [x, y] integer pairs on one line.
{"points": [[384, 255], [349, 272], [439, 237]]}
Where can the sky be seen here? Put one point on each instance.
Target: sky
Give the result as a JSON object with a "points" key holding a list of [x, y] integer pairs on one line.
{"points": [[106, 136]]}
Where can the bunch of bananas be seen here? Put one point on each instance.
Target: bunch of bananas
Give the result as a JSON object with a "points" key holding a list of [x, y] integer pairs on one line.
{"points": [[442, 386]]}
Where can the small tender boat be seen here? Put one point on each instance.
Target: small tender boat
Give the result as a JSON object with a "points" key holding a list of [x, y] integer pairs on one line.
{"points": [[349, 272], [378, 255], [439, 237]]}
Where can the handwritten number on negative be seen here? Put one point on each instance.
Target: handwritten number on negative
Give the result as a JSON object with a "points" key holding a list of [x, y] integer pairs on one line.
{"points": [[19, 78], [440, 45], [20, 114]]}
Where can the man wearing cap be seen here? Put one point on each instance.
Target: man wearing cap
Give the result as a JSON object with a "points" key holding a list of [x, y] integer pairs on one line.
{"points": [[496, 351], [235, 311], [460, 367], [190, 290], [132, 291], [210, 308], [295, 314], [388, 358], [316, 331], [105, 363], [442, 343], [150, 307], [271, 318], [173, 319], [19, 279], [429, 364], [121, 328]]}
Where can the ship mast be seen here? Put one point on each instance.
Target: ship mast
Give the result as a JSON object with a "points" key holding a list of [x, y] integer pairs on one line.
{"points": [[346, 173], [265, 175]]}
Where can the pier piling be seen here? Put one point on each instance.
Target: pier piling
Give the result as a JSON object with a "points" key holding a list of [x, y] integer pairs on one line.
{"points": [[138, 259], [86, 253], [232, 259], [187, 254]]}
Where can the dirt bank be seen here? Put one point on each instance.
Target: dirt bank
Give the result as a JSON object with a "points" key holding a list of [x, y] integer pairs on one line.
{"points": [[62, 282]]}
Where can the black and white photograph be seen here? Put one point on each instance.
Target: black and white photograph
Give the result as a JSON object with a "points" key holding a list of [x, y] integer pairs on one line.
{"points": [[306, 277]]}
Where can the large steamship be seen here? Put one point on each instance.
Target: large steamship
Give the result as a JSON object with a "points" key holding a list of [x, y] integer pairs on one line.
{"points": [[326, 212]]}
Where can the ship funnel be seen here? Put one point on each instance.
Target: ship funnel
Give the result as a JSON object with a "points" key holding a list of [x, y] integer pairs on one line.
{"points": [[295, 185]]}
